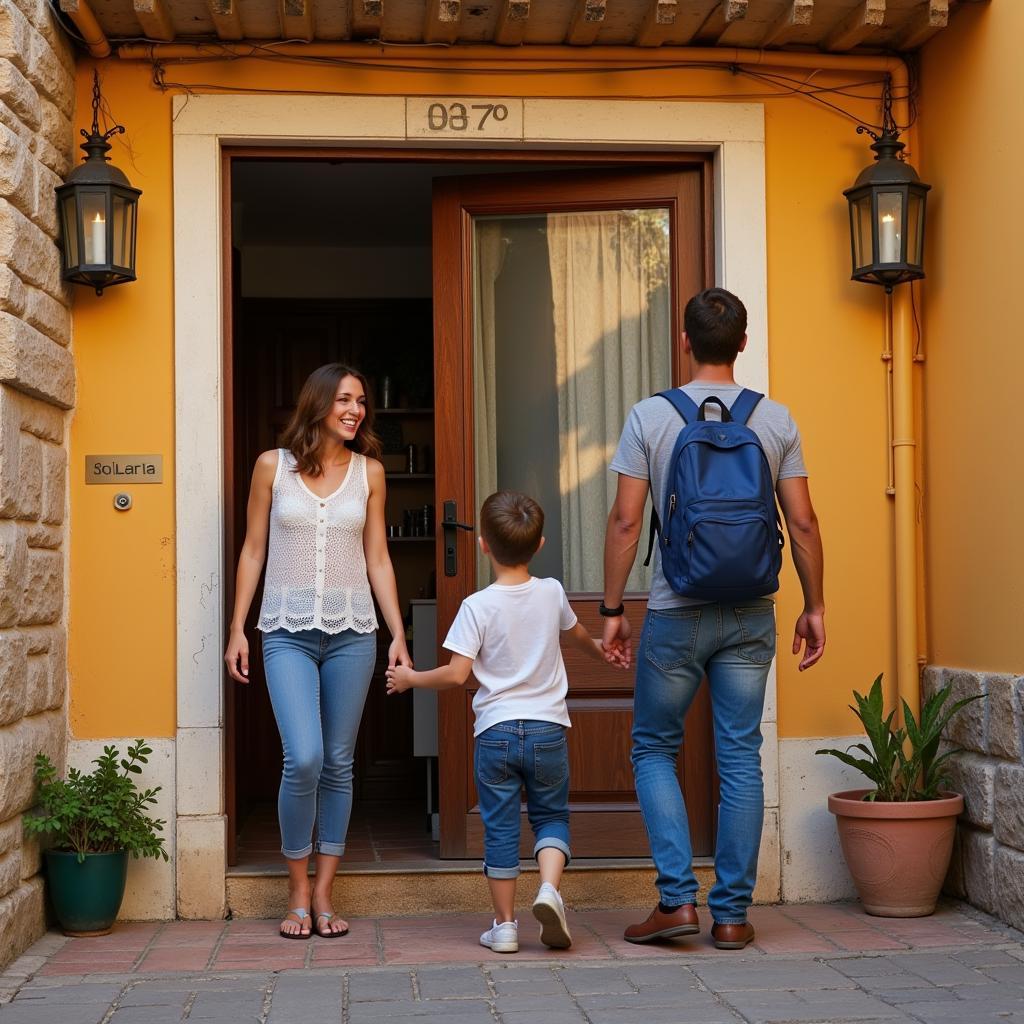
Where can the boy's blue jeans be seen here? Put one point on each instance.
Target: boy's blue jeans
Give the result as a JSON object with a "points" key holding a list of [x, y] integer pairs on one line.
{"points": [[317, 683], [509, 757], [734, 645]]}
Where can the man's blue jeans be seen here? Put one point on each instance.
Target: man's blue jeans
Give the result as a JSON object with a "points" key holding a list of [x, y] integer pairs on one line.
{"points": [[733, 644], [317, 683], [509, 757]]}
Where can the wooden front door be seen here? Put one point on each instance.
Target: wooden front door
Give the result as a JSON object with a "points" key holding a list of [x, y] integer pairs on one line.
{"points": [[557, 301]]}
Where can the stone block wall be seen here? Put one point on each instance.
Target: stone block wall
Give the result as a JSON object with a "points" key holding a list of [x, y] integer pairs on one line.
{"points": [[988, 859], [37, 387]]}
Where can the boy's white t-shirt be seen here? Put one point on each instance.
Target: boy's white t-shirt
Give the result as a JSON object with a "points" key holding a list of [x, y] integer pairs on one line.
{"points": [[511, 633]]}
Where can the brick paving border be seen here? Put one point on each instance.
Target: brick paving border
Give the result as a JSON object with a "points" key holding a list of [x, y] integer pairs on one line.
{"points": [[812, 964]]}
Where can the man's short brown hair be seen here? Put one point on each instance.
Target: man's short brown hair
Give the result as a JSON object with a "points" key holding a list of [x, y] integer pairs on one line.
{"points": [[511, 523]]}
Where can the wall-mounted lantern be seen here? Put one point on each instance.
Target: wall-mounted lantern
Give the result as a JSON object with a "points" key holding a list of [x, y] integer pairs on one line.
{"points": [[96, 208], [887, 207]]}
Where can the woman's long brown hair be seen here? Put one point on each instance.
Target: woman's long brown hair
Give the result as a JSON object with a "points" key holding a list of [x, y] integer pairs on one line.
{"points": [[303, 436]]}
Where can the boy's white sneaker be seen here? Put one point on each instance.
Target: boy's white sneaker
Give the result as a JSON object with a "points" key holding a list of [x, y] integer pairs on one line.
{"points": [[502, 938], [549, 910]]}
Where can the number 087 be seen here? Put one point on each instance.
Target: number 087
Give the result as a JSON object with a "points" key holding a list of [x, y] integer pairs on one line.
{"points": [[458, 117]]}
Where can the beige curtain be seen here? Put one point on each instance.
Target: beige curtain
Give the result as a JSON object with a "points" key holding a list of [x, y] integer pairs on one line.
{"points": [[489, 255], [610, 285]]}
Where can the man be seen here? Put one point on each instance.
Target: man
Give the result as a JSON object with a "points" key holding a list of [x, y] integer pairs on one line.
{"points": [[684, 638]]}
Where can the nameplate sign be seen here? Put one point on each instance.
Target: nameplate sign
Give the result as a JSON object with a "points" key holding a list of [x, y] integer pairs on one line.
{"points": [[124, 469]]}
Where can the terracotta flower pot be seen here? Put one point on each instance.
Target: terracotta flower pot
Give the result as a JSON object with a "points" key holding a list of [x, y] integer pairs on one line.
{"points": [[897, 853]]}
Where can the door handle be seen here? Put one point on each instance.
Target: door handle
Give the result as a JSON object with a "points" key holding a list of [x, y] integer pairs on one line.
{"points": [[449, 526]]}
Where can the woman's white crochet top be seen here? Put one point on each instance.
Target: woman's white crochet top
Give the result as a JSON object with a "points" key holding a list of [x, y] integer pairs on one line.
{"points": [[316, 569]]}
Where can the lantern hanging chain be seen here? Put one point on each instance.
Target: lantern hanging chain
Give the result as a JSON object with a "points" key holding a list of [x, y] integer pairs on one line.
{"points": [[97, 105]]}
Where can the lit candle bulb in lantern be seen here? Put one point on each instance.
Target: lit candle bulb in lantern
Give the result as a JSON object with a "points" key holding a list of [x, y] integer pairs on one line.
{"points": [[888, 240], [96, 241]]}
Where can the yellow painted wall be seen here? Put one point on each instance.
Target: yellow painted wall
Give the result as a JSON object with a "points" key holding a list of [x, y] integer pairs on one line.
{"points": [[825, 339], [973, 153]]}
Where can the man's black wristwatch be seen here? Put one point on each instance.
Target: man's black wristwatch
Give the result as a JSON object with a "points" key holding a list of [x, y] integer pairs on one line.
{"points": [[611, 613]]}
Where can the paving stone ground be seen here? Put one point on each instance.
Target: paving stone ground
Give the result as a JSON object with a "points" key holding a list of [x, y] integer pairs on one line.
{"points": [[811, 964]]}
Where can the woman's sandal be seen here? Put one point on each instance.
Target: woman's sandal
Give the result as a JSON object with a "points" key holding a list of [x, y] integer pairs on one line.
{"points": [[299, 916], [329, 933]]}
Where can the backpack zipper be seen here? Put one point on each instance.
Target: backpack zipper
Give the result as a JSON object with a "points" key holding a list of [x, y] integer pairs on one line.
{"points": [[668, 524]]}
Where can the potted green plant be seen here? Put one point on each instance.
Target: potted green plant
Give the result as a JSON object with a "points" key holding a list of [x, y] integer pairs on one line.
{"points": [[94, 821], [897, 837]]}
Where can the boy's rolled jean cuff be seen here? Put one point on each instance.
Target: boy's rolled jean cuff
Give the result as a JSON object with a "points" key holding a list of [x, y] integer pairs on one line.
{"points": [[553, 843], [501, 872]]}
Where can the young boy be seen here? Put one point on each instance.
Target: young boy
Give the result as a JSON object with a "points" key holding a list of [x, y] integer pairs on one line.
{"points": [[508, 634]]}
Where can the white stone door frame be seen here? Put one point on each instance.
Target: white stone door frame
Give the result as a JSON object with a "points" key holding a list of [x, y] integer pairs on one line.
{"points": [[202, 125]]}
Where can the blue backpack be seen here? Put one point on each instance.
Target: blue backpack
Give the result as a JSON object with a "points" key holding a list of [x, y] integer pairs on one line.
{"points": [[719, 532]]}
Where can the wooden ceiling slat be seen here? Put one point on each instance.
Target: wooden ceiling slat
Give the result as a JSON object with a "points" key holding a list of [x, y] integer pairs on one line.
{"points": [[367, 19], [153, 17], [658, 23], [797, 15], [296, 19], [442, 22], [930, 17], [227, 19], [585, 23], [867, 16], [722, 15], [512, 22]]}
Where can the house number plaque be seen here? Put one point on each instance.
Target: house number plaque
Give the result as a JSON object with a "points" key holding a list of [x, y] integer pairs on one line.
{"points": [[453, 117], [124, 469]]}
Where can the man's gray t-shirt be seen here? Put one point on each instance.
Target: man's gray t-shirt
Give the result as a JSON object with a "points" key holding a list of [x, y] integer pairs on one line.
{"points": [[650, 435]]}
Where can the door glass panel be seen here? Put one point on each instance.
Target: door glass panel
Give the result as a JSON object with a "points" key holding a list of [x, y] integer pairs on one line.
{"points": [[571, 327]]}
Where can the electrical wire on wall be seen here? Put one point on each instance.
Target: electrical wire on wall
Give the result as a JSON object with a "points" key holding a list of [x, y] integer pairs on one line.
{"points": [[780, 86]]}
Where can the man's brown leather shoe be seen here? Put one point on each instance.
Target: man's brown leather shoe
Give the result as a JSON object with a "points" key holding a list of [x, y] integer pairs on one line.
{"points": [[682, 921], [732, 936]]}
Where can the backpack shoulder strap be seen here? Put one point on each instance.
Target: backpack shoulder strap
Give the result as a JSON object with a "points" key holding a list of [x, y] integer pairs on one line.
{"points": [[655, 529], [746, 402], [682, 403]]}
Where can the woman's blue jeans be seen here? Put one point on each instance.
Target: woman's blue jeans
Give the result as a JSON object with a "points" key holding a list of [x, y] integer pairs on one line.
{"points": [[734, 645], [508, 758], [318, 683]]}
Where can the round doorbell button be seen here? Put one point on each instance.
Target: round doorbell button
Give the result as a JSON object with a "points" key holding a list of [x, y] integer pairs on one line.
{"points": [[122, 501]]}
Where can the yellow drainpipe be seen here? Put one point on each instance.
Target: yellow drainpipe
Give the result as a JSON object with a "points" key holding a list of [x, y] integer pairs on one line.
{"points": [[904, 444], [85, 21]]}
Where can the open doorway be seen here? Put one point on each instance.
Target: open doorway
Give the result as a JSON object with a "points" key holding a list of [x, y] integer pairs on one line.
{"points": [[341, 272], [376, 262]]}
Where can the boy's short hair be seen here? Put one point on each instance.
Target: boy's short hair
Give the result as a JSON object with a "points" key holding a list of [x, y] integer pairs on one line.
{"points": [[715, 321], [511, 523]]}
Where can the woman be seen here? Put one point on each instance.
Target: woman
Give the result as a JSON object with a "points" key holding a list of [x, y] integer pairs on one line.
{"points": [[321, 500]]}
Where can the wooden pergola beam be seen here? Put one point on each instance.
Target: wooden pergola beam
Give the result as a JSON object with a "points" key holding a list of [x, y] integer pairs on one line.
{"points": [[227, 20], [443, 21], [153, 17], [586, 21], [296, 19], [797, 15], [722, 15], [512, 22], [867, 16], [659, 20], [930, 17]]}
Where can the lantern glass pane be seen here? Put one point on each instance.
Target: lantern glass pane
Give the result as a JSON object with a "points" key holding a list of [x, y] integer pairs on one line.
{"points": [[69, 220], [94, 227], [890, 227], [860, 225], [915, 229], [122, 230]]}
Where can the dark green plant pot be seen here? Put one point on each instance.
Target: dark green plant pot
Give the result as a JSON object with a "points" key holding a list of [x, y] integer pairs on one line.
{"points": [[86, 897]]}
